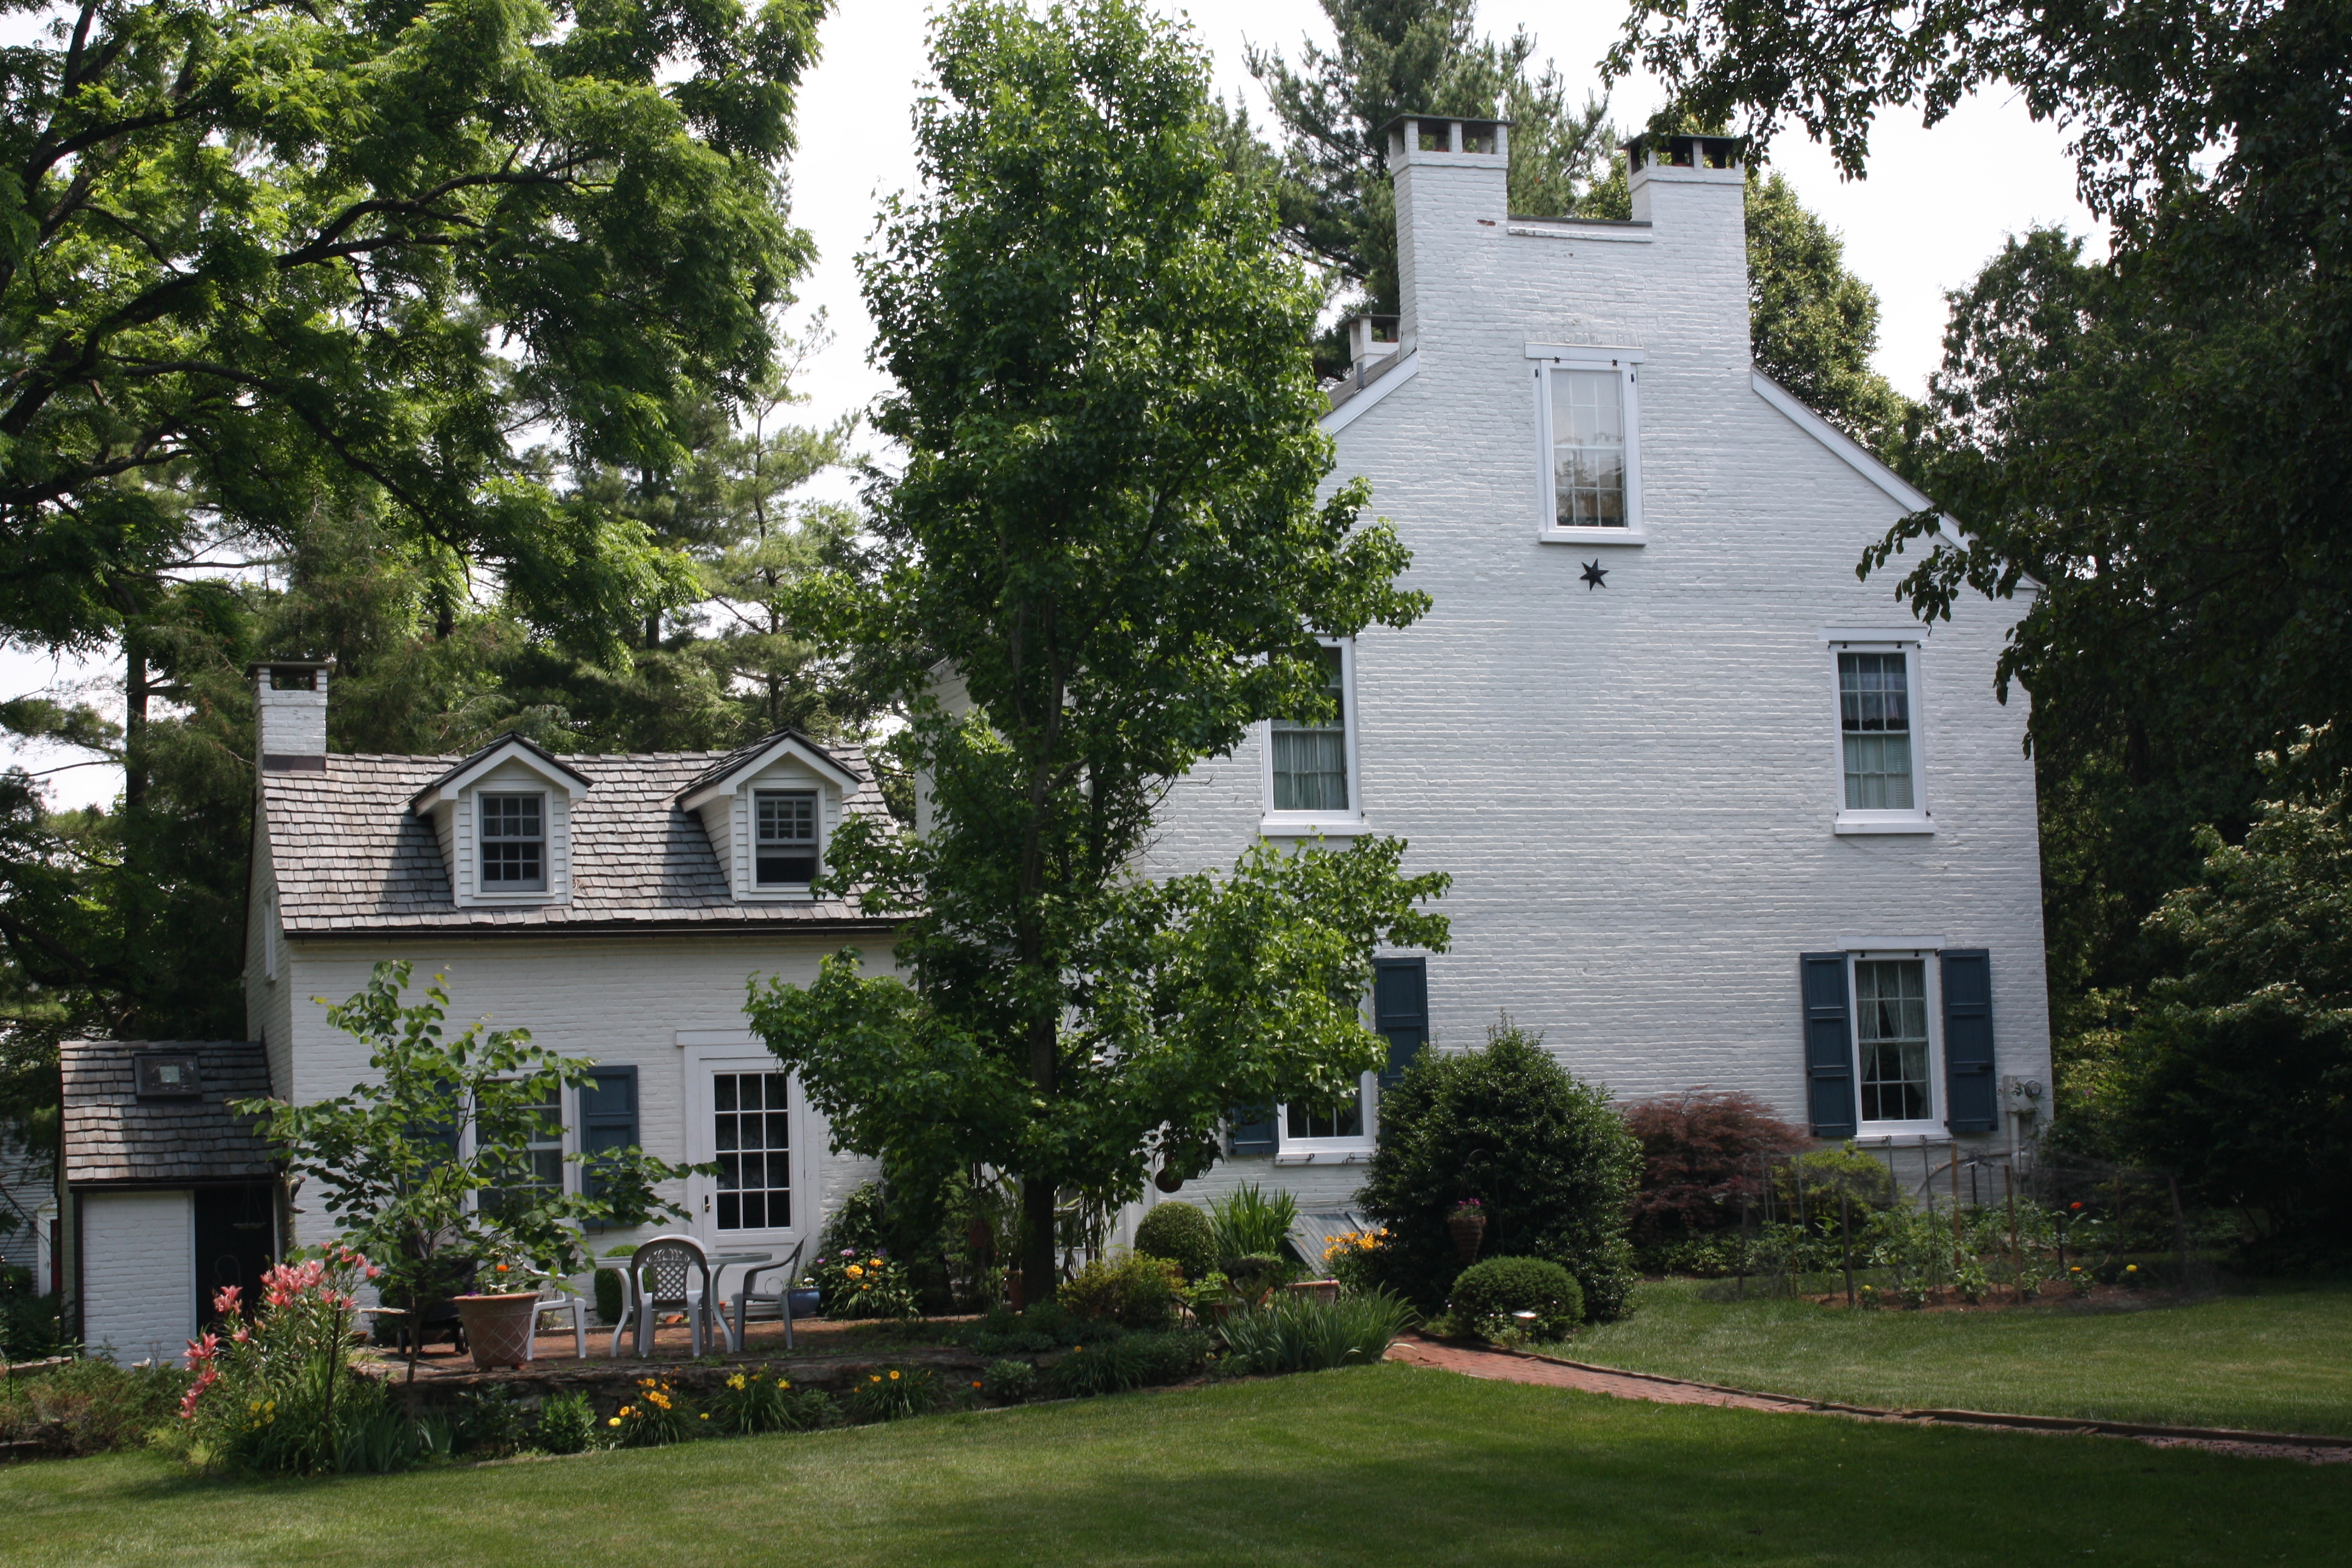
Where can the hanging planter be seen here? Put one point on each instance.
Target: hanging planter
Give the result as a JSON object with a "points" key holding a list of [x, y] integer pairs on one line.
{"points": [[1468, 1225], [498, 1327]]}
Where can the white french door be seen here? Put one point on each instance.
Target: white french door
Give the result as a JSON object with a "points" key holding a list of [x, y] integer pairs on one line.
{"points": [[745, 1115]]}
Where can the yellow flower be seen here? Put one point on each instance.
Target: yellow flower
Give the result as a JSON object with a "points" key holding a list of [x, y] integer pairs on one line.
{"points": [[782, 1384], [874, 1263], [615, 1421], [894, 1377], [705, 1415], [855, 1271], [874, 1379], [736, 1381]]}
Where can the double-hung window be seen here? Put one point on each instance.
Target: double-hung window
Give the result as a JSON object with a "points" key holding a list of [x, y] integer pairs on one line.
{"points": [[1880, 781], [1587, 408], [514, 843], [538, 1164], [1899, 1041], [784, 848], [1311, 764]]}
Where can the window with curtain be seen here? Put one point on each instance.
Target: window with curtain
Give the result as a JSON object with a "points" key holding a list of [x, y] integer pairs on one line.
{"points": [[1310, 760], [1890, 999], [1588, 448], [1874, 713]]}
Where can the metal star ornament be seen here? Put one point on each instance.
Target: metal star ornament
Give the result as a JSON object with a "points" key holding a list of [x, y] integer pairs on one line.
{"points": [[1595, 576]]}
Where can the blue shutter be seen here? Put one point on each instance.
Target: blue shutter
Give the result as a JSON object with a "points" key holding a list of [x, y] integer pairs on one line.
{"points": [[1251, 1128], [608, 1120], [1973, 1100], [1401, 1011], [1829, 1045]]}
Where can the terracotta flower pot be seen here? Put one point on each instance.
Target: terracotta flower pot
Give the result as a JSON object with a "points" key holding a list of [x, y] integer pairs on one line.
{"points": [[498, 1327], [1469, 1228]]}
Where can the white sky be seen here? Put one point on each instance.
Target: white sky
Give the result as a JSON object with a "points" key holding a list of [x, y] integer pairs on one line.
{"points": [[1937, 204]]}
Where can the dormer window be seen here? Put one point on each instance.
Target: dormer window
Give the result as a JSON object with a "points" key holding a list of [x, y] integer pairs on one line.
{"points": [[784, 848], [514, 844]]}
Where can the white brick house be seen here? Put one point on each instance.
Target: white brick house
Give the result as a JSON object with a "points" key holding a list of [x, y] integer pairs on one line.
{"points": [[1703, 795], [1679, 849], [617, 907]]}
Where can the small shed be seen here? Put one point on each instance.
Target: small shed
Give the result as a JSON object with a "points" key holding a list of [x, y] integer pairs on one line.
{"points": [[168, 1194]]}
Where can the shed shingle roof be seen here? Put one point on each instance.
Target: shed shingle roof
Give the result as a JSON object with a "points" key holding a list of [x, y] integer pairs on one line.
{"points": [[352, 858], [113, 1137]]}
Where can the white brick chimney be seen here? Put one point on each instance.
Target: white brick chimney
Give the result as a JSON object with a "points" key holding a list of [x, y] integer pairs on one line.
{"points": [[290, 706], [1453, 196]]}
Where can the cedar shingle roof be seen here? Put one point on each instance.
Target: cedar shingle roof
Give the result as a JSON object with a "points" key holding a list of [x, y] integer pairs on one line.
{"points": [[351, 857], [113, 1136]]}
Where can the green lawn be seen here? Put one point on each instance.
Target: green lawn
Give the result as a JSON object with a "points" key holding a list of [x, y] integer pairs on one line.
{"points": [[2279, 1360], [1382, 1465]]}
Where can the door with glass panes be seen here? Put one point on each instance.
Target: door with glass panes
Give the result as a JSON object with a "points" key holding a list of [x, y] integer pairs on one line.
{"points": [[745, 1117]]}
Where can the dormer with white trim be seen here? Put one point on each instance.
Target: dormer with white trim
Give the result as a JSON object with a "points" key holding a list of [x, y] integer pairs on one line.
{"points": [[769, 810], [503, 817]]}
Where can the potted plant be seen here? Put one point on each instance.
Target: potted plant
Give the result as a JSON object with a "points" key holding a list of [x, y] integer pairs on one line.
{"points": [[1468, 1225], [502, 1309]]}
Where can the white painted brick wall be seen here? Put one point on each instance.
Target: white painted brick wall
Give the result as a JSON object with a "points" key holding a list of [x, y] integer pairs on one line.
{"points": [[1634, 786], [619, 1001], [139, 1274]]}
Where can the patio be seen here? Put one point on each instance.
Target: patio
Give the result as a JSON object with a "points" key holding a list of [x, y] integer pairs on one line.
{"points": [[825, 1354]]}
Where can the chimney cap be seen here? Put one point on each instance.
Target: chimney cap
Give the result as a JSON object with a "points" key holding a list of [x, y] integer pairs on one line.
{"points": [[1465, 119], [258, 664], [1684, 152]]}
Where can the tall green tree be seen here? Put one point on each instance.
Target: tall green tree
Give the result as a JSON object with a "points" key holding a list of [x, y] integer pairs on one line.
{"points": [[1107, 528], [248, 252]]}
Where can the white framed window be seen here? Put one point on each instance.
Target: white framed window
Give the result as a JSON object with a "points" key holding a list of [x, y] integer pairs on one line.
{"points": [[1310, 768], [783, 838], [1881, 779], [513, 838], [1898, 1054], [1588, 422], [541, 1164], [1344, 1128]]}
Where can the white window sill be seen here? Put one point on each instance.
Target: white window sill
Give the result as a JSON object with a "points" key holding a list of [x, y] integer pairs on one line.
{"points": [[795, 891], [1910, 1132], [1592, 536], [1856, 822], [1290, 824], [539, 897], [1355, 1156]]}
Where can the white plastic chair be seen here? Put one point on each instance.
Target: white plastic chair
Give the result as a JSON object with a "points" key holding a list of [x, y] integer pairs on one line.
{"points": [[553, 1297], [772, 1303], [668, 1273]]}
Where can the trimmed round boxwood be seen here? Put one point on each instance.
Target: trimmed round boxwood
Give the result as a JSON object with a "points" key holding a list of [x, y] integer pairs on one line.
{"points": [[1503, 1287], [1179, 1233]]}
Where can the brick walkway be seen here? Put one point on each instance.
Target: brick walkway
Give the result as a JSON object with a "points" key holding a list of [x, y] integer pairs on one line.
{"points": [[1506, 1366]]}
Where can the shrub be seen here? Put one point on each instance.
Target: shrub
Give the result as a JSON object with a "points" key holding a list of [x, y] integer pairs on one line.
{"points": [[1181, 1234], [1132, 1360], [90, 1406], [1045, 1327], [489, 1422], [1127, 1289], [567, 1424], [1298, 1333], [31, 1325], [863, 1285], [758, 1400], [654, 1415], [1008, 1382], [280, 1394], [1702, 1155], [1550, 1161], [893, 1393], [1500, 1288], [1348, 1257], [1246, 1223]]}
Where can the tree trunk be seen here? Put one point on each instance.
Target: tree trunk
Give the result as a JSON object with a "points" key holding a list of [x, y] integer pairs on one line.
{"points": [[1040, 1267], [138, 690]]}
